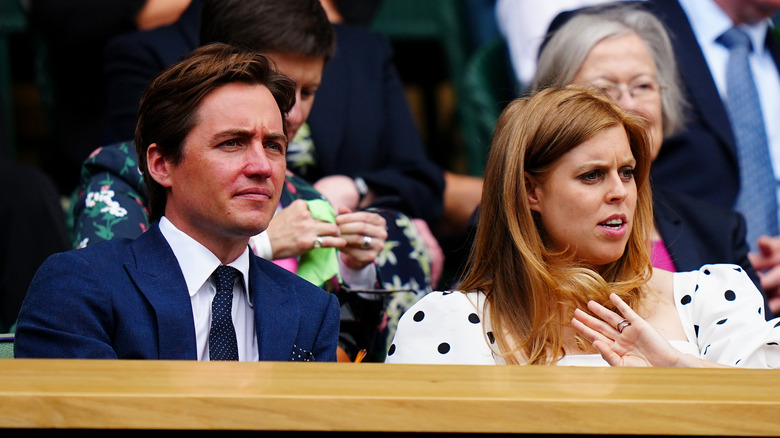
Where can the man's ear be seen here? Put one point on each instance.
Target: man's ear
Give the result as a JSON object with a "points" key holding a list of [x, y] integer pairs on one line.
{"points": [[157, 166], [532, 192]]}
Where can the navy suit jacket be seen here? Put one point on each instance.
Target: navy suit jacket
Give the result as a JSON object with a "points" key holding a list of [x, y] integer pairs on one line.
{"points": [[697, 233], [361, 123], [127, 299]]}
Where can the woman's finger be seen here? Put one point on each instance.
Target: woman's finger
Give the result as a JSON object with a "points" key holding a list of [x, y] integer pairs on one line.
{"points": [[609, 317], [596, 328]]}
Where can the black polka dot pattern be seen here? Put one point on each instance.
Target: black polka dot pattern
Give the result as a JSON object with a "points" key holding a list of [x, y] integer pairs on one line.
{"points": [[222, 335], [726, 311], [443, 328]]}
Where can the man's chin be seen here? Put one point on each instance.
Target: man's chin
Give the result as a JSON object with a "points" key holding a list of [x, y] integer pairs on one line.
{"points": [[253, 225]]}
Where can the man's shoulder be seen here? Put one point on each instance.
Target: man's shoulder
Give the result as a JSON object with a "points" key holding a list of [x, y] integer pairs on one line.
{"points": [[109, 251]]}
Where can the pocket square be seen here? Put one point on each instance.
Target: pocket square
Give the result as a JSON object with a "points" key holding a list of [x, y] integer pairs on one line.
{"points": [[299, 354]]}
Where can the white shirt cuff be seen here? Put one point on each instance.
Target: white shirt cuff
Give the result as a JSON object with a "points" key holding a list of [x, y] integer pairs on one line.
{"points": [[358, 279], [261, 245]]}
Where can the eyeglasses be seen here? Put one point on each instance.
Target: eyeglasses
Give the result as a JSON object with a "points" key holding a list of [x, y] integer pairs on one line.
{"points": [[640, 90]]}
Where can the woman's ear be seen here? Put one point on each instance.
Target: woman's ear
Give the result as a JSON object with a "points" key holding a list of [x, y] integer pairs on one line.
{"points": [[532, 191], [157, 166]]}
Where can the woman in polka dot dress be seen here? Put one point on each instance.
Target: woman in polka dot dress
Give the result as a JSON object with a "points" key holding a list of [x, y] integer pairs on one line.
{"points": [[560, 259]]}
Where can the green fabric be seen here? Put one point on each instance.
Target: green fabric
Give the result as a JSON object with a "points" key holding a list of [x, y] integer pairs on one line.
{"points": [[6, 346], [320, 264]]}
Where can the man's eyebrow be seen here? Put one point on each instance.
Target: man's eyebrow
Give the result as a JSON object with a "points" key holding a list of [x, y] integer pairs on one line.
{"points": [[243, 133], [276, 136]]}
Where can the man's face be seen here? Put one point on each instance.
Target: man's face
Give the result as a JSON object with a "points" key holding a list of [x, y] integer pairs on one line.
{"points": [[227, 185], [749, 11], [306, 71]]}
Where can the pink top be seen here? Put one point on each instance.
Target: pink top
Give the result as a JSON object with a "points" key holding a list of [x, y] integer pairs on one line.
{"points": [[659, 256], [291, 264]]}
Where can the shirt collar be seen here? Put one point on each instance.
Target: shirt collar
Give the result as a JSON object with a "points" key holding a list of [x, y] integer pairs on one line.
{"points": [[197, 263], [709, 22]]}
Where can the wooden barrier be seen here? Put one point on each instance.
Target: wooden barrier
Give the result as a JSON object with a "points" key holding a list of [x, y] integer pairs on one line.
{"points": [[290, 396]]}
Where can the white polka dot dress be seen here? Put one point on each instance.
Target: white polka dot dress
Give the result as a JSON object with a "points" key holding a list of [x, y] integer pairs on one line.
{"points": [[443, 328], [719, 306], [723, 313]]}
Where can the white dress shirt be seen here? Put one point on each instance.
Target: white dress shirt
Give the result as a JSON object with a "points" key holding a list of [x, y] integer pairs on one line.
{"points": [[197, 264]]}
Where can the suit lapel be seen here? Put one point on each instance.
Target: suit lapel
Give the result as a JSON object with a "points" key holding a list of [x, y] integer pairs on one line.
{"points": [[692, 66], [276, 320], [773, 45], [677, 240], [157, 275]]}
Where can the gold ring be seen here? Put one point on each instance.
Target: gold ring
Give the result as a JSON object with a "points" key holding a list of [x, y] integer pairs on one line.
{"points": [[318, 242], [366, 242], [622, 325]]}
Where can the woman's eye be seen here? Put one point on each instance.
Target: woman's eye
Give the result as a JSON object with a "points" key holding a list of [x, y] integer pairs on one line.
{"points": [[593, 175], [628, 173]]}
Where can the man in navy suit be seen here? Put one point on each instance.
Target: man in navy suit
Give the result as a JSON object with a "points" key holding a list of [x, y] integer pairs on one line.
{"points": [[212, 142]]}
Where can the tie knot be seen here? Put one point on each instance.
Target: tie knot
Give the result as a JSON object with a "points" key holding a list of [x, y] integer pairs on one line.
{"points": [[224, 276], [735, 38]]}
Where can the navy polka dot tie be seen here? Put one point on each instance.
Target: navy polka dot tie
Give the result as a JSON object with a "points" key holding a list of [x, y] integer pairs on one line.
{"points": [[757, 199], [222, 336]]}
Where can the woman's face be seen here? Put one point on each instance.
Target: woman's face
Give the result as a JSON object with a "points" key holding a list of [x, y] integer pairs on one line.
{"points": [[587, 202], [623, 67], [307, 72]]}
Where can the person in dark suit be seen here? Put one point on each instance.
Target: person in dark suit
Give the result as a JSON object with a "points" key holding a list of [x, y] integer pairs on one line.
{"points": [[707, 139], [701, 159], [368, 134], [214, 178], [625, 51], [363, 148]]}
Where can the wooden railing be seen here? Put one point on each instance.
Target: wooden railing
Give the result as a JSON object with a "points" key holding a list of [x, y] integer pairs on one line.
{"points": [[94, 394]]}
